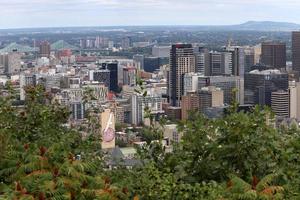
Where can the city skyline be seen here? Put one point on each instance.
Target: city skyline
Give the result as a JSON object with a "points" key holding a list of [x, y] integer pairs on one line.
{"points": [[65, 13]]}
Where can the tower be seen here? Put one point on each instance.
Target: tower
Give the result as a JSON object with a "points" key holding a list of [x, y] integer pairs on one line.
{"points": [[182, 60]]}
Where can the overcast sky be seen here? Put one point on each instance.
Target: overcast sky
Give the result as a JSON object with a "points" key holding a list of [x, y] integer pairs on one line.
{"points": [[56, 13]]}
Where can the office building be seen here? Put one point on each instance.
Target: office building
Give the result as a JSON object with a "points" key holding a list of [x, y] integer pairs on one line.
{"points": [[228, 84], [294, 90], [78, 110], [190, 82], [190, 103], [174, 113], [52, 81], [129, 76], [249, 59], [182, 61], [102, 76], [237, 59], [45, 49], [273, 54], [138, 61], [259, 85], [280, 103], [202, 61], [171, 134], [210, 97], [26, 80], [220, 63], [161, 51], [296, 50], [113, 75], [151, 64], [126, 43], [11, 62], [139, 103]]}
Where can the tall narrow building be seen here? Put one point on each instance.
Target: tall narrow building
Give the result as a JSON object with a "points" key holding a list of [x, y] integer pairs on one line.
{"points": [[113, 69], [45, 49], [273, 54], [182, 61], [296, 50]]}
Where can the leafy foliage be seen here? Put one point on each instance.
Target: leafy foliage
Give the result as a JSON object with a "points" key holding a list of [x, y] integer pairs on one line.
{"points": [[240, 156]]}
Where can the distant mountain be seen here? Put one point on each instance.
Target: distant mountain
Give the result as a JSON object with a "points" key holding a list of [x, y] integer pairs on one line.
{"points": [[265, 26], [259, 26]]}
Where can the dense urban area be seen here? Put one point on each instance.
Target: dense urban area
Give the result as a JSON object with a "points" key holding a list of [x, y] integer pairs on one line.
{"points": [[162, 112]]}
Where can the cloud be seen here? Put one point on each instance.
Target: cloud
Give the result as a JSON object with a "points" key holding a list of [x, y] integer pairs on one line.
{"points": [[24, 13]]}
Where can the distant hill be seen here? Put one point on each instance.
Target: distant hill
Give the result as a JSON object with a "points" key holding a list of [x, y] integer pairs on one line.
{"points": [[266, 26], [247, 26]]}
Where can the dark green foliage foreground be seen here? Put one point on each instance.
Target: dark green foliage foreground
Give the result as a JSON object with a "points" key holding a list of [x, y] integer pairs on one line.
{"points": [[241, 156]]}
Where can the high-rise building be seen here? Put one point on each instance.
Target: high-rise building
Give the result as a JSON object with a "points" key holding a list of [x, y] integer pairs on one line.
{"points": [[249, 59], [138, 61], [202, 61], [126, 43], [296, 50], [152, 64], [139, 103], [273, 54], [182, 60], [220, 63], [259, 85], [190, 102], [210, 97], [11, 62], [129, 76], [280, 103], [161, 51], [78, 110], [190, 82], [45, 49], [83, 44], [238, 60], [113, 69], [26, 80], [295, 100], [226, 83], [257, 54], [102, 76]]}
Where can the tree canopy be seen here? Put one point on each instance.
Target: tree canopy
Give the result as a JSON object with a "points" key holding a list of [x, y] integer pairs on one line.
{"points": [[240, 156]]}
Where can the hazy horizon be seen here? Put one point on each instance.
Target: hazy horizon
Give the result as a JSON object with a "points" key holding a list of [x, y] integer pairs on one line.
{"points": [[85, 13]]}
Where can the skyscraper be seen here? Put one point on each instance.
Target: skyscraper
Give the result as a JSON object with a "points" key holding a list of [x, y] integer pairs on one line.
{"points": [[273, 54], [259, 85], [202, 61], [45, 49], [113, 69], [220, 63], [296, 50], [238, 60], [249, 59], [182, 60]]}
